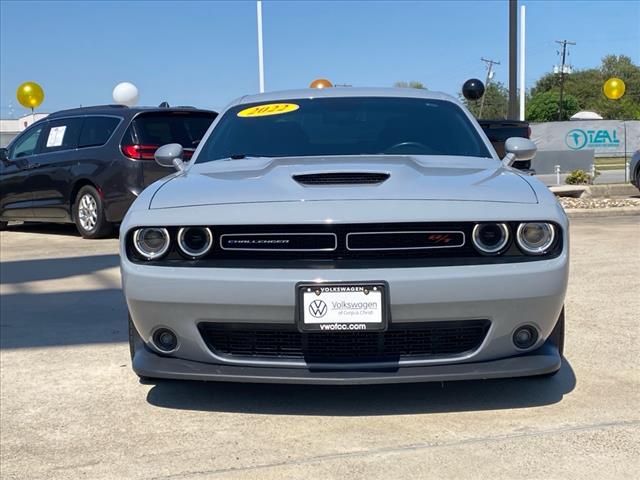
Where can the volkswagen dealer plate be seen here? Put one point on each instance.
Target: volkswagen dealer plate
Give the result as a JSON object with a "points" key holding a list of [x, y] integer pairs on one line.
{"points": [[342, 307]]}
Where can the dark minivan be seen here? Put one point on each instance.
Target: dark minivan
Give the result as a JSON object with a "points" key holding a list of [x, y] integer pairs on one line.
{"points": [[87, 165]]}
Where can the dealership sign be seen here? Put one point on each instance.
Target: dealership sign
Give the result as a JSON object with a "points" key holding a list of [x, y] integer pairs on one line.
{"points": [[606, 138], [578, 139]]}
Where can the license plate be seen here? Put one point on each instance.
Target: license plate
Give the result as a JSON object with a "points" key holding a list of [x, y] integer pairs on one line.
{"points": [[342, 307]]}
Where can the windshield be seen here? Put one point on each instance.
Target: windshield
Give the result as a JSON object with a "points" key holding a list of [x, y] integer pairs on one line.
{"points": [[344, 126], [185, 128]]}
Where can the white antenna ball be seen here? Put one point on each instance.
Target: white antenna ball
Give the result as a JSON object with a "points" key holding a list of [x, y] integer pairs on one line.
{"points": [[126, 93]]}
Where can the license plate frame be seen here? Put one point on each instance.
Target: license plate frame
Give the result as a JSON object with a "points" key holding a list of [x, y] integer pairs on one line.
{"points": [[359, 323]]}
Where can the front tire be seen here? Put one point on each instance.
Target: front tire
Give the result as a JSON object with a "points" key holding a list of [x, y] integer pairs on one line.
{"points": [[89, 215], [3, 226]]}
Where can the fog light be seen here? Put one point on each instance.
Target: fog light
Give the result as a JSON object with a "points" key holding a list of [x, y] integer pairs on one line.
{"points": [[165, 340], [525, 337]]}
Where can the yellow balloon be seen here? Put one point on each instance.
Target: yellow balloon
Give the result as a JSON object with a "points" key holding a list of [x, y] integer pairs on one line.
{"points": [[30, 95], [613, 88]]}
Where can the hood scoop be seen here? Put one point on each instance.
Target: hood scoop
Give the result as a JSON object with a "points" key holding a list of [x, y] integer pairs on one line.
{"points": [[341, 178]]}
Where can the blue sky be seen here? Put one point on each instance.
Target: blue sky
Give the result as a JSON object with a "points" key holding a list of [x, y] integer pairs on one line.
{"points": [[204, 53]]}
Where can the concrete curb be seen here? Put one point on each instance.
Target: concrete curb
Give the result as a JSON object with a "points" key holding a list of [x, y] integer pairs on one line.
{"points": [[610, 190], [573, 191], [602, 212]]}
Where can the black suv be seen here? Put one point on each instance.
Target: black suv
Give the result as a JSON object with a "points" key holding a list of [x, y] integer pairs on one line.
{"points": [[87, 165]]}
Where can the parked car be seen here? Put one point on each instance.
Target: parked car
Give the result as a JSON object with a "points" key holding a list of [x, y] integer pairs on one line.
{"points": [[87, 165], [345, 236], [498, 131], [634, 168]]}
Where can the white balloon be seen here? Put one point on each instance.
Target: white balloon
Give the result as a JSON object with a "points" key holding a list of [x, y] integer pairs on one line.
{"points": [[126, 93]]}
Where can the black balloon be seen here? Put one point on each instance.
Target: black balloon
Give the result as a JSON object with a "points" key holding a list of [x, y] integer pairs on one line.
{"points": [[473, 89]]}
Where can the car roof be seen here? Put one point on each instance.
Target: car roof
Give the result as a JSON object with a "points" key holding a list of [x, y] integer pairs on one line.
{"points": [[121, 110], [344, 92]]}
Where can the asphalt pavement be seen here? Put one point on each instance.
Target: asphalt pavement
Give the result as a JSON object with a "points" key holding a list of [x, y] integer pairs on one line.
{"points": [[70, 406]]}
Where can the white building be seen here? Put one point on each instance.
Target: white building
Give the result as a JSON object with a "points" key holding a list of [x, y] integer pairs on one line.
{"points": [[11, 127]]}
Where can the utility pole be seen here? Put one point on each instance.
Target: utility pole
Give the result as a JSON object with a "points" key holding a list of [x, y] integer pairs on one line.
{"points": [[564, 44], [522, 79], [490, 64]]}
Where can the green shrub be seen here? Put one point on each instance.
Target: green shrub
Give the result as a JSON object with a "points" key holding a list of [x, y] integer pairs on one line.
{"points": [[580, 177]]}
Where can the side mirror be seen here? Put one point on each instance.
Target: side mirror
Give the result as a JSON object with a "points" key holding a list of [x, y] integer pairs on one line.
{"points": [[518, 149], [4, 154], [170, 155]]}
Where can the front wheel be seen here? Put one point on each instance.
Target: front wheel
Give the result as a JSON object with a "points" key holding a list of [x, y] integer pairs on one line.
{"points": [[88, 213], [3, 225]]}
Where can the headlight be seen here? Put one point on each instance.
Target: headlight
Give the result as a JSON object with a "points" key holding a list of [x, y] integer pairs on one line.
{"points": [[151, 242], [195, 241], [535, 238], [490, 238]]}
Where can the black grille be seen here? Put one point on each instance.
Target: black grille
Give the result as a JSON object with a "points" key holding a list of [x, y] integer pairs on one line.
{"points": [[341, 178], [379, 241], [400, 341], [280, 242]]}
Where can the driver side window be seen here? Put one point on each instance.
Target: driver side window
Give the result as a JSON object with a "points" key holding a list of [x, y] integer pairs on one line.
{"points": [[26, 145]]}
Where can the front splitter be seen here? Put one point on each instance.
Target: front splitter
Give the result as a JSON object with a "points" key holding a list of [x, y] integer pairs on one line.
{"points": [[542, 361]]}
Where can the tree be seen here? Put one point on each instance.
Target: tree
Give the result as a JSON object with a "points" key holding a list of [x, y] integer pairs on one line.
{"points": [[544, 107], [586, 87], [496, 100], [411, 84]]}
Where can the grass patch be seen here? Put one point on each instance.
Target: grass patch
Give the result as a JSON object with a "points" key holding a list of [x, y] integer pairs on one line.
{"points": [[610, 163]]}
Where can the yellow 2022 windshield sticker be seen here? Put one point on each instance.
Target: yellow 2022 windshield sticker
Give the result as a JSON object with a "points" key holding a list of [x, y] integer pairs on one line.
{"points": [[268, 109]]}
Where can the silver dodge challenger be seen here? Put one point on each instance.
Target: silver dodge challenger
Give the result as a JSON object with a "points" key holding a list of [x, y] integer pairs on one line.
{"points": [[345, 236]]}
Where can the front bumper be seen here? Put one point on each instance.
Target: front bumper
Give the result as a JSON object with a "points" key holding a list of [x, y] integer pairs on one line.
{"points": [[539, 362], [508, 295]]}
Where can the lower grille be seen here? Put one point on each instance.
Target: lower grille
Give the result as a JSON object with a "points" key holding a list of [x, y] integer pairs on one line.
{"points": [[429, 339]]}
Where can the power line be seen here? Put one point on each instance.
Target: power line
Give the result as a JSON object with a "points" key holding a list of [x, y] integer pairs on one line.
{"points": [[490, 63], [564, 44]]}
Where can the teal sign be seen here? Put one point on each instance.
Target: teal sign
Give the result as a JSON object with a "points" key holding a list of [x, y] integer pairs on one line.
{"points": [[578, 139]]}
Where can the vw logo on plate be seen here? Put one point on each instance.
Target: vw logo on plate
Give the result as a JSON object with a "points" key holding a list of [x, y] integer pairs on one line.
{"points": [[318, 308]]}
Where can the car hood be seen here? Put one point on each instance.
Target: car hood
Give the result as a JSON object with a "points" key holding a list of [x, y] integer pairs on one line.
{"points": [[409, 178]]}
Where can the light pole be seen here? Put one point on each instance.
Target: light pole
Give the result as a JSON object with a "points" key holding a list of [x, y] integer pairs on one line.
{"points": [[260, 52], [523, 11]]}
